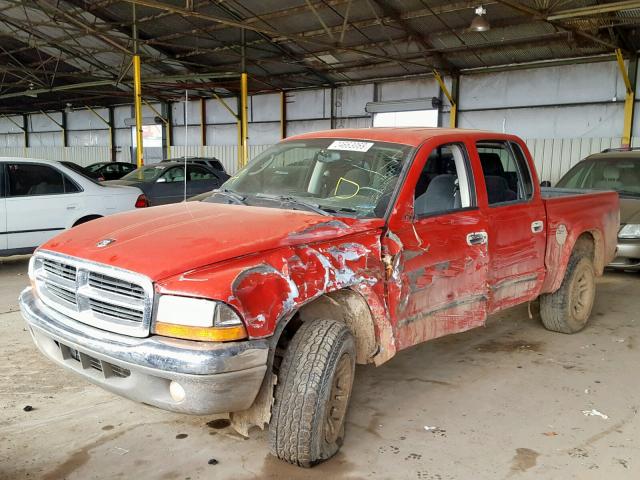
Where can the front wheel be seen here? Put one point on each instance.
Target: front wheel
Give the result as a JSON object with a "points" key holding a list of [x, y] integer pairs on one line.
{"points": [[312, 394], [567, 309]]}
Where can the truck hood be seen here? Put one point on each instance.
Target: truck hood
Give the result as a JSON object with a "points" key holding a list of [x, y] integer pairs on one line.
{"points": [[169, 240], [629, 210]]}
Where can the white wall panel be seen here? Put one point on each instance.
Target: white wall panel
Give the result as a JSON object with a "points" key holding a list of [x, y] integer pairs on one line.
{"points": [[41, 123], [194, 135], [194, 112], [304, 126], [351, 100], [86, 120], [120, 114], [407, 89], [7, 126], [263, 133], [217, 113], [307, 104], [46, 139], [552, 122], [587, 82], [88, 138], [12, 140], [222, 134], [81, 155], [265, 108]]}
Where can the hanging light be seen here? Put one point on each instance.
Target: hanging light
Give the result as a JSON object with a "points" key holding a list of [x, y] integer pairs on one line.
{"points": [[68, 108], [479, 22]]}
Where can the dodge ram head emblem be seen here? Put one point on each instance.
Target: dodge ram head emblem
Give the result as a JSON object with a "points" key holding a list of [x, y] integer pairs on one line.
{"points": [[105, 242]]}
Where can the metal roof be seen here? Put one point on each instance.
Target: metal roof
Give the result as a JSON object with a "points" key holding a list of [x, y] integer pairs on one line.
{"points": [[79, 51]]}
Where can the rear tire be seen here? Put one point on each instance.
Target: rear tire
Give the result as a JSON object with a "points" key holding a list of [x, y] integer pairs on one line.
{"points": [[313, 393], [567, 310]]}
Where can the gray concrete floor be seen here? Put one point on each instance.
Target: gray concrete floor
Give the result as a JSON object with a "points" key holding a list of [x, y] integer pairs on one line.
{"points": [[507, 402]]}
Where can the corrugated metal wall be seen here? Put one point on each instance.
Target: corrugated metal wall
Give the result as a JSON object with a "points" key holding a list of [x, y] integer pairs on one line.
{"points": [[227, 154], [555, 156]]}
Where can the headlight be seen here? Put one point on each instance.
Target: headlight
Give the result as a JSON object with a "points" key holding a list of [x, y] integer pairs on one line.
{"points": [[631, 230], [197, 319]]}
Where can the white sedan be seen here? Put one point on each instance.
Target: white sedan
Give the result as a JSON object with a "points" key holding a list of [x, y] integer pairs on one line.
{"points": [[40, 198]]}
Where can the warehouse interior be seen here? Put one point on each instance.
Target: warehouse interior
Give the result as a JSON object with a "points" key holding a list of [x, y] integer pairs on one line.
{"points": [[141, 81]]}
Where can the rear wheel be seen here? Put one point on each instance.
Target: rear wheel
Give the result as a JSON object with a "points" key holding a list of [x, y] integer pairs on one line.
{"points": [[313, 393], [567, 310]]}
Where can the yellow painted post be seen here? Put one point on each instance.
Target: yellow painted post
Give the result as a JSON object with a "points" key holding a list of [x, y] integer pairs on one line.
{"points": [[137, 91], [244, 120], [445, 90], [628, 101]]}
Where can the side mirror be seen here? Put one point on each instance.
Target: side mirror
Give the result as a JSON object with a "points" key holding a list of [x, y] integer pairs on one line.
{"points": [[546, 183], [161, 180]]}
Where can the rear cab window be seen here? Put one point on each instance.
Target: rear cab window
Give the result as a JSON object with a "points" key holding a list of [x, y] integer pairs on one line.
{"points": [[506, 172]]}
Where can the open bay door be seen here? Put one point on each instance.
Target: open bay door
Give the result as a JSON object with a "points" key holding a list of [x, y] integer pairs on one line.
{"points": [[416, 112]]}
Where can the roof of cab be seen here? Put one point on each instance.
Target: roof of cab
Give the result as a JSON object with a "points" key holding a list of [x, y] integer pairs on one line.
{"points": [[413, 136]]}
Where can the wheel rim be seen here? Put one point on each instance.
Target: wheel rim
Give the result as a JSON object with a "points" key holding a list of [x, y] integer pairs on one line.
{"points": [[339, 400], [582, 294]]}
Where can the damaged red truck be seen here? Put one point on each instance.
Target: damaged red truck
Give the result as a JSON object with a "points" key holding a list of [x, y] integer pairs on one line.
{"points": [[330, 249]]}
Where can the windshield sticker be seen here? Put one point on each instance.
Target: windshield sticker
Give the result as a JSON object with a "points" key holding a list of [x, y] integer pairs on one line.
{"points": [[350, 146]]}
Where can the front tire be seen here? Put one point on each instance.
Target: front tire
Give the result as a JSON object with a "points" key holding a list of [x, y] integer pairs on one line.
{"points": [[313, 393], [567, 310]]}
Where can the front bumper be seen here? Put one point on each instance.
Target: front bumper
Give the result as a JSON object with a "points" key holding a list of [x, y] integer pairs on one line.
{"points": [[215, 377], [627, 255]]}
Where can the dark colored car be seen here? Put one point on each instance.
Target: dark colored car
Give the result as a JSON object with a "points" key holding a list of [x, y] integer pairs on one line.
{"points": [[164, 182], [619, 171], [212, 162], [110, 170]]}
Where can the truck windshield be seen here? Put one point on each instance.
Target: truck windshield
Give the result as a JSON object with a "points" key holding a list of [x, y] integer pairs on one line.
{"points": [[619, 174], [353, 177]]}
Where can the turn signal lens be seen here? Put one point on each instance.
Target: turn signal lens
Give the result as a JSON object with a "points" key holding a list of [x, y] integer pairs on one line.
{"points": [[202, 334], [142, 201]]}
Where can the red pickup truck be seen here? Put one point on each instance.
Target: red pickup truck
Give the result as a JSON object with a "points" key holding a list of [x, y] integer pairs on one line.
{"points": [[328, 250]]}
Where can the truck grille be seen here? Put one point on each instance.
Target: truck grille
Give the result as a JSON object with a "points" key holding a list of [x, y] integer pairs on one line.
{"points": [[98, 295]]}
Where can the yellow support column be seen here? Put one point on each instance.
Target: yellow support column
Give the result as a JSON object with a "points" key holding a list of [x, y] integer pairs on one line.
{"points": [[137, 90], [628, 101], [454, 108], [244, 120]]}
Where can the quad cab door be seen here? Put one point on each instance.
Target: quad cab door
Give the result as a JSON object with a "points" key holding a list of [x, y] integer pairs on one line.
{"points": [[435, 250], [517, 224]]}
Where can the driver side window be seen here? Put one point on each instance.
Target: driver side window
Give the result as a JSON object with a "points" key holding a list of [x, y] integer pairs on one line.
{"points": [[175, 174], [446, 182]]}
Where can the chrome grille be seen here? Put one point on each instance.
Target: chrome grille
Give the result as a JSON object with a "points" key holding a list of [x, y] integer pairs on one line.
{"points": [[115, 285], [99, 295], [58, 269], [65, 294], [123, 313]]}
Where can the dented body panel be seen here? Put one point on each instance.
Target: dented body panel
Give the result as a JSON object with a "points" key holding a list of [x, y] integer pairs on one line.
{"points": [[419, 277]]}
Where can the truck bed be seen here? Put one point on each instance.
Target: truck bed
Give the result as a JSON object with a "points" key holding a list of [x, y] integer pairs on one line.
{"points": [[571, 212]]}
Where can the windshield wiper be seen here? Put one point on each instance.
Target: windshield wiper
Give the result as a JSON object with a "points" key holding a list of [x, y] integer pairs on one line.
{"points": [[628, 193], [236, 197], [296, 201]]}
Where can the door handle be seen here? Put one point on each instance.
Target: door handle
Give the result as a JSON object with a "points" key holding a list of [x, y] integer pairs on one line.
{"points": [[71, 207], [537, 226], [477, 238]]}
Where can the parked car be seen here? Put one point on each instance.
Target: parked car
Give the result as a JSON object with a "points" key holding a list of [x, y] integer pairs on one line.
{"points": [[110, 170], [211, 162], [40, 198], [617, 170], [329, 249], [163, 182]]}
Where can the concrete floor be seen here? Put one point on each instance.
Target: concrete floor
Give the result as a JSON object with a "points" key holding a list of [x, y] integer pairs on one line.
{"points": [[506, 402]]}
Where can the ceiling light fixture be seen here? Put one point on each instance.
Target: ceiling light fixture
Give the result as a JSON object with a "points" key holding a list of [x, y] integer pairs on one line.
{"points": [[68, 108], [479, 22]]}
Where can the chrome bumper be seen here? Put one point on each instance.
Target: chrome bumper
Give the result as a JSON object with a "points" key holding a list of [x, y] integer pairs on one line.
{"points": [[215, 377], [627, 255]]}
